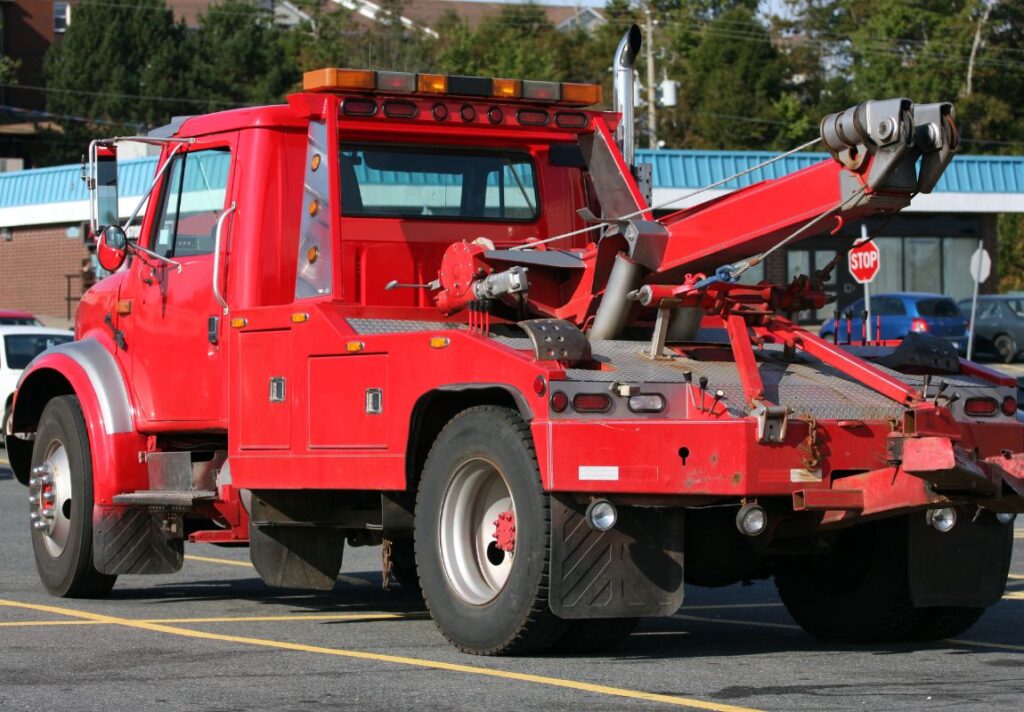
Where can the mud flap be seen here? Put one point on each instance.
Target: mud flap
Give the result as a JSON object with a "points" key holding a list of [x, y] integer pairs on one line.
{"points": [[966, 566], [291, 553], [634, 569], [132, 540]]}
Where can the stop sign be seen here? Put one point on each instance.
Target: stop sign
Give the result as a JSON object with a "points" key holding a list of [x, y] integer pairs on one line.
{"points": [[864, 261]]}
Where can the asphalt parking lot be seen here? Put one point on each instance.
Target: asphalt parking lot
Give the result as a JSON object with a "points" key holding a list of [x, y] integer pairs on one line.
{"points": [[213, 637]]}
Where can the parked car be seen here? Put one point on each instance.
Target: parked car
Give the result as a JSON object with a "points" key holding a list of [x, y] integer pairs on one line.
{"points": [[18, 346], [999, 328], [14, 317], [901, 312]]}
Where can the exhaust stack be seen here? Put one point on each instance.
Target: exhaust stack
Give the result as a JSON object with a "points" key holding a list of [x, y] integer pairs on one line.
{"points": [[625, 61]]}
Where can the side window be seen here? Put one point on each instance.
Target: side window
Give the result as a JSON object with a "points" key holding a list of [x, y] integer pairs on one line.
{"points": [[193, 200]]}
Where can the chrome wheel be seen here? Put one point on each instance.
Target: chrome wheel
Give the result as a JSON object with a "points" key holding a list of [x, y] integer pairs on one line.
{"points": [[476, 510], [49, 499]]}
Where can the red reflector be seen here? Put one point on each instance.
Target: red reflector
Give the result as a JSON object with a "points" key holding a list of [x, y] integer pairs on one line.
{"points": [[440, 112], [571, 119], [591, 403], [495, 115], [532, 117], [1009, 406], [359, 107], [467, 112], [981, 406], [559, 401], [539, 386], [400, 109]]}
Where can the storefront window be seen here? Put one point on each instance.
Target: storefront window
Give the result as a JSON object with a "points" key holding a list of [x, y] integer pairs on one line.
{"points": [[890, 271], [956, 276], [922, 264]]}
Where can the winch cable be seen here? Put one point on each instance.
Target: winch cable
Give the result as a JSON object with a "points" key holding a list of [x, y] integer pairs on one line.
{"points": [[658, 206]]}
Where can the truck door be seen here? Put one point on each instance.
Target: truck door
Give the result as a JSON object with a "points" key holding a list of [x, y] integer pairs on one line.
{"points": [[174, 326]]}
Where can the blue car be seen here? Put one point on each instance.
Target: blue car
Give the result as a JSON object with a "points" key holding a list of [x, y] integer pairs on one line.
{"points": [[901, 312]]}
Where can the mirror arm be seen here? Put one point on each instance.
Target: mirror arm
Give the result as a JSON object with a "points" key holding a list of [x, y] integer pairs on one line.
{"points": [[145, 196], [136, 247]]}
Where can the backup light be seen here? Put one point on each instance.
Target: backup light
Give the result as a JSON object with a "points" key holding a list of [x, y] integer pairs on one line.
{"points": [[647, 403], [942, 520], [601, 515], [1009, 406], [559, 401], [751, 520], [1006, 517]]}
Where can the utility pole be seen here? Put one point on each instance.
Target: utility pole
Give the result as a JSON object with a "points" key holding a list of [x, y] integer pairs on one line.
{"points": [[652, 96]]}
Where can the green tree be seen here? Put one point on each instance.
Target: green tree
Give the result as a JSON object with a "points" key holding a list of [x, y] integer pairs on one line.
{"points": [[237, 58], [120, 68]]}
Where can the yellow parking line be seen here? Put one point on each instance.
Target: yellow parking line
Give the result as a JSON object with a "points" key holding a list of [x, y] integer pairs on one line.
{"points": [[730, 605], [732, 621], [212, 560], [295, 617], [378, 657], [1014, 596], [981, 644]]}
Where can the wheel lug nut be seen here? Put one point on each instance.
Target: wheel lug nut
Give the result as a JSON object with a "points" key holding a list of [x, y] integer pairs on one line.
{"points": [[48, 497], [40, 469], [35, 516], [49, 513], [33, 500], [39, 524]]}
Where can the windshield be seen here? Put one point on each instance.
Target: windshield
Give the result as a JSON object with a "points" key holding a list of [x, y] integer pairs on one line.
{"points": [[20, 349], [440, 183]]}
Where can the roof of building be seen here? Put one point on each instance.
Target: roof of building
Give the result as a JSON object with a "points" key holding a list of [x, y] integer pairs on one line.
{"points": [[970, 184]]}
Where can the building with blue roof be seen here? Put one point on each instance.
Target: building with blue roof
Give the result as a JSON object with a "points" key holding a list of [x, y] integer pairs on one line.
{"points": [[43, 213]]}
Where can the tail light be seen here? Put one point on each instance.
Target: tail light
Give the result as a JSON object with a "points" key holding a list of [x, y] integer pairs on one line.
{"points": [[919, 325], [981, 406], [591, 403], [1009, 406], [559, 401]]}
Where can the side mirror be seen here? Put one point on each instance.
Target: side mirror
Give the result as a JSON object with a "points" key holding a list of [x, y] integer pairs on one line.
{"points": [[103, 169], [112, 248]]}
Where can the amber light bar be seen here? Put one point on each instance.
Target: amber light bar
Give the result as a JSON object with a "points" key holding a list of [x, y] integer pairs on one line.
{"points": [[368, 80]]}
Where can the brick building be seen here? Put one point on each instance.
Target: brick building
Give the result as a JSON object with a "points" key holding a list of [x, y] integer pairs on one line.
{"points": [[926, 248]]}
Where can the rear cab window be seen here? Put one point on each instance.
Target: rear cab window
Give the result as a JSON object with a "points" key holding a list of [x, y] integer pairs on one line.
{"points": [[437, 183]]}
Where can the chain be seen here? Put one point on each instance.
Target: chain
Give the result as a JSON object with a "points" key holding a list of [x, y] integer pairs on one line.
{"points": [[386, 564]]}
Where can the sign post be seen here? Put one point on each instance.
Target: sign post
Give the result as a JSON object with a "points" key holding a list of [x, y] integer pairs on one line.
{"points": [[864, 261], [981, 268]]}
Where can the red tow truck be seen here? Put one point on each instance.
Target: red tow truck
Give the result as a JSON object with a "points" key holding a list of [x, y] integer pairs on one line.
{"points": [[439, 313]]}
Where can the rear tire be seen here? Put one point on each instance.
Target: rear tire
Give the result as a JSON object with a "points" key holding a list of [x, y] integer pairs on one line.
{"points": [[62, 467], [403, 567], [484, 600], [946, 622], [856, 593], [1006, 348], [5, 425]]}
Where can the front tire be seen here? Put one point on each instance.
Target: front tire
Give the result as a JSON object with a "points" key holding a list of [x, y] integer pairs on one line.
{"points": [[61, 504], [484, 599]]}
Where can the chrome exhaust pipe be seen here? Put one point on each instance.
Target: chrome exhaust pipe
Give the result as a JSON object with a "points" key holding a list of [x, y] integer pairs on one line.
{"points": [[614, 307], [625, 61]]}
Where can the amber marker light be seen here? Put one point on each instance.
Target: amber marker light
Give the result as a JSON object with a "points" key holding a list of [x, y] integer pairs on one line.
{"points": [[335, 79], [439, 342], [299, 317], [314, 208], [238, 322], [354, 346], [432, 83], [582, 94], [314, 162], [507, 88], [312, 254]]}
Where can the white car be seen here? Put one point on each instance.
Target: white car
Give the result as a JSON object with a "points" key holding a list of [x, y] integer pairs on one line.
{"points": [[18, 346]]}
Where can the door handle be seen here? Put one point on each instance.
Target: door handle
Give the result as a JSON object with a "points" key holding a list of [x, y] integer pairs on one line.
{"points": [[216, 258]]}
